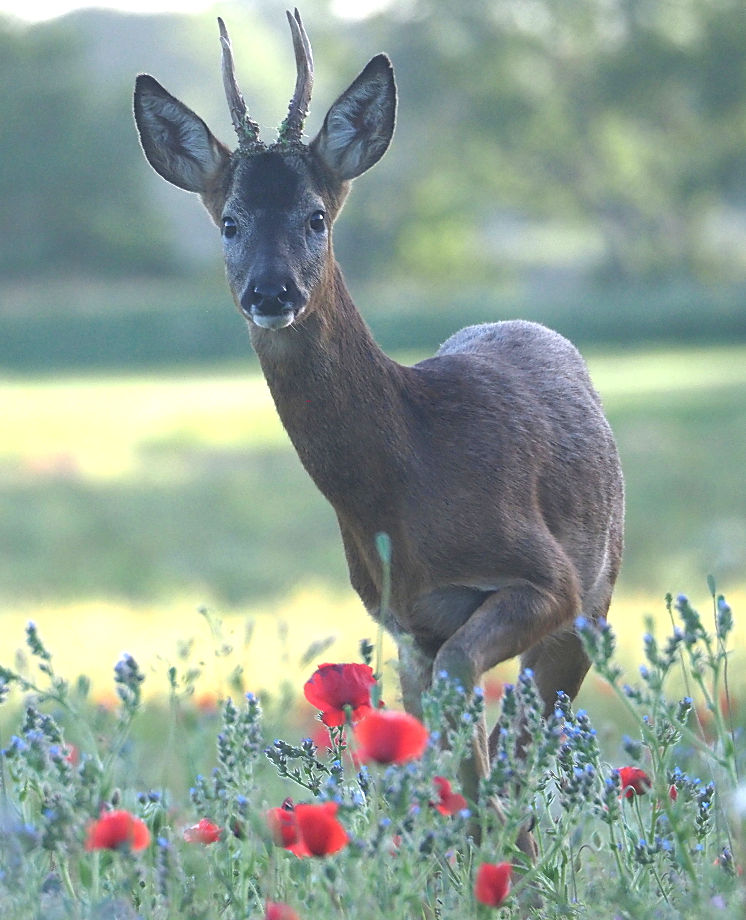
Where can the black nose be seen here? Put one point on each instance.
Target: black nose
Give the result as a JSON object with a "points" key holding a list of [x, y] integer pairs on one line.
{"points": [[267, 297]]}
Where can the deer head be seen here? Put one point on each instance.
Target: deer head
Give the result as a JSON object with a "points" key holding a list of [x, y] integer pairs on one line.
{"points": [[275, 205]]}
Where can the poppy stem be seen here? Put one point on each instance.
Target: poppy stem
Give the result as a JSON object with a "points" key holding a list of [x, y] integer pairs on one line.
{"points": [[383, 548], [96, 876], [348, 733], [334, 897], [68, 882]]}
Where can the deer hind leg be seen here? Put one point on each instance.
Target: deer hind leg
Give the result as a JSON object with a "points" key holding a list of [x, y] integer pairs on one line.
{"points": [[558, 662]]}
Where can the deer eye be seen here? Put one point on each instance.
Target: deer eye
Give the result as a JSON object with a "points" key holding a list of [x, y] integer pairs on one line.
{"points": [[317, 221], [229, 228]]}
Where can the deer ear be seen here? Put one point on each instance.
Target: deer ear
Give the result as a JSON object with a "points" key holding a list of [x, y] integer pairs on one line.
{"points": [[177, 143], [357, 129]]}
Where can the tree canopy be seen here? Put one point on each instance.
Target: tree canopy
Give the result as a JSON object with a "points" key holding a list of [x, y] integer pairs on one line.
{"points": [[604, 136]]}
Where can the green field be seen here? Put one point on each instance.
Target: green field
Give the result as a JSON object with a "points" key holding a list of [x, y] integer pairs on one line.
{"points": [[130, 501]]}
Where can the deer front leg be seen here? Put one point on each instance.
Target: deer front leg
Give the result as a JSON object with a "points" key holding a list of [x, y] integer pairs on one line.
{"points": [[415, 675], [506, 624]]}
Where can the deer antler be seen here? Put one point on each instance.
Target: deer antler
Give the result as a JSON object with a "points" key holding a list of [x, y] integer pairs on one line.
{"points": [[292, 127], [246, 129]]}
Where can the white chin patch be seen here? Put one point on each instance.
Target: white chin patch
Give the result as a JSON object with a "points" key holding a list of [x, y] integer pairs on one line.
{"points": [[273, 321]]}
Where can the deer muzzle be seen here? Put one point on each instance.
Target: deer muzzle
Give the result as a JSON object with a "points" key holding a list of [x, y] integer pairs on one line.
{"points": [[272, 304]]}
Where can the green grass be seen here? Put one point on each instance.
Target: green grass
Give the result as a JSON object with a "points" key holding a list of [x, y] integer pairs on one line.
{"points": [[89, 464], [680, 421]]}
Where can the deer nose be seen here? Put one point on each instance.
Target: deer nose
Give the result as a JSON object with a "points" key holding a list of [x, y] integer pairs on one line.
{"points": [[267, 297], [271, 303]]}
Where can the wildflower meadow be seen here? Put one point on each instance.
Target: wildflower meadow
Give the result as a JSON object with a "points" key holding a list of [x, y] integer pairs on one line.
{"points": [[366, 818]]}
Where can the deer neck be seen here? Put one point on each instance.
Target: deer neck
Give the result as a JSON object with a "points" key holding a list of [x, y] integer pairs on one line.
{"points": [[340, 399]]}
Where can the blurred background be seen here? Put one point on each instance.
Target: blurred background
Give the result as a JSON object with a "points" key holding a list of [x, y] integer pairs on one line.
{"points": [[580, 164]]}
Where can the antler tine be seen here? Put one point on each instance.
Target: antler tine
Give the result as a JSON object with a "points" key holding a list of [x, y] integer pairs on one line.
{"points": [[246, 129], [292, 127]]}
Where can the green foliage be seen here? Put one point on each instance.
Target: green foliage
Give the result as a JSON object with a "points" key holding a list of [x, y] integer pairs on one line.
{"points": [[668, 848], [72, 202], [623, 122], [145, 323], [610, 116]]}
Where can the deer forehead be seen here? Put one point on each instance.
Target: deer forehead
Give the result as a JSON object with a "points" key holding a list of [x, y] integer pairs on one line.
{"points": [[276, 181]]}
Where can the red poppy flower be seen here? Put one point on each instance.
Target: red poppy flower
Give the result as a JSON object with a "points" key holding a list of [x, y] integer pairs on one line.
{"points": [[202, 832], [307, 830], [450, 802], [492, 884], [332, 687], [634, 781], [116, 830], [388, 736], [277, 911], [319, 828], [285, 831]]}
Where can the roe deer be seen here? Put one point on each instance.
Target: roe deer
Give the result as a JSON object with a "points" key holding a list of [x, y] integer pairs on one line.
{"points": [[491, 466]]}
